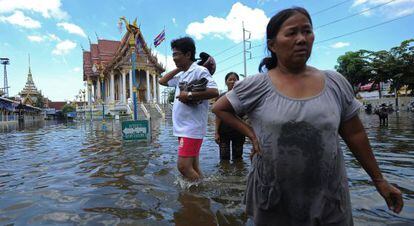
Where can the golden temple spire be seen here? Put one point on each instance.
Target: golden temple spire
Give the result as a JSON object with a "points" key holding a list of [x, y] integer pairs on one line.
{"points": [[29, 75], [30, 72]]}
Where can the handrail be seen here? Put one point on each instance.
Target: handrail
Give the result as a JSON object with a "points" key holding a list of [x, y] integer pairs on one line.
{"points": [[129, 110], [159, 110], [144, 109]]}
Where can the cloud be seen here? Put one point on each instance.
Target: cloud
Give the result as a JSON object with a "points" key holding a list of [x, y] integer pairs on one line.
{"points": [[19, 19], [340, 45], [42, 38], [72, 28], [47, 8], [76, 69], [64, 47], [35, 38], [174, 21], [53, 37], [389, 9], [230, 27], [262, 2]]}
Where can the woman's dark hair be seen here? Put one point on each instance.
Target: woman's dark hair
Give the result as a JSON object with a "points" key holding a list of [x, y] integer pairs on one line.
{"points": [[230, 74], [185, 45], [273, 28]]}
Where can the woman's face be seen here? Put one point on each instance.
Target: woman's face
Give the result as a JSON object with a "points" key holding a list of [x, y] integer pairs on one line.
{"points": [[230, 81], [293, 44]]}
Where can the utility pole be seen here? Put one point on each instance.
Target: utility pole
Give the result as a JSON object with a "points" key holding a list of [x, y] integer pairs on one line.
{"points": [[246, 40], [5, 61]]}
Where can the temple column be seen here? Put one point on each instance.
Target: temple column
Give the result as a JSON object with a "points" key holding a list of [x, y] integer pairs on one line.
{"points": [[106, 88], [130, 84], [158, 89], [92, 92], [112, 88], [89, 90], [98, 89], [123, 99], [147, 78], [154, 88]]}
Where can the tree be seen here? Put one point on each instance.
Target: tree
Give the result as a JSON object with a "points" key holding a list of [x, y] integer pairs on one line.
{"points": [[382, 64], [355, 67], [68, 108], [404, 64], [395, 65], [40, 101], [171, 96]]}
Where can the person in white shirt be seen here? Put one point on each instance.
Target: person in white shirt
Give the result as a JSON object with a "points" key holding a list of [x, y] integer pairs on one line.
{"points": [[190, 108]]}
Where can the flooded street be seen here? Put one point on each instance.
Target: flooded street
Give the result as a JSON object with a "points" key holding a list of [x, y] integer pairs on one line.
{"points": [[78, 173]]}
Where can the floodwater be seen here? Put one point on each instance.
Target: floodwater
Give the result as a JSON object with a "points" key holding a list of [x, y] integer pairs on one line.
{"points": [[82, 174]]}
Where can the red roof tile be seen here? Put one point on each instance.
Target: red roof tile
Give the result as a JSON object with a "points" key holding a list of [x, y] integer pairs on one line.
{"points": [[58, 105]]}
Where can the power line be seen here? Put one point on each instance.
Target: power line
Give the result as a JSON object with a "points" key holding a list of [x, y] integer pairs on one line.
{"points": [[229, 57], [363, 29], [234, 65], [331, 7], [223, 51], [355, 14], [318, 12], [329, 39]]}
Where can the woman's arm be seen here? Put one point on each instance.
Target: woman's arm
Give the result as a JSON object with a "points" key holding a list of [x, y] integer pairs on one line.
{"points": [[353, 133], [224, 110]]}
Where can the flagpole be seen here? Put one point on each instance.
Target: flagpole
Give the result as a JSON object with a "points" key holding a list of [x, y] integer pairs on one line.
{"points": [[166, 48]]}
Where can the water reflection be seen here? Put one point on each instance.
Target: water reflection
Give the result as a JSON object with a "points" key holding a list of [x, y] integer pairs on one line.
{"points": [[194, 205], [82, 173]]}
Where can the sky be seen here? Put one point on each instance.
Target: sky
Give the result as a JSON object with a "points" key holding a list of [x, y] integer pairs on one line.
{"points": [[54, 32]]}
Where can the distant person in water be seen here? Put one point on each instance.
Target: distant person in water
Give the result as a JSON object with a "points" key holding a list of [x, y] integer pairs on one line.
{"points": [[190, 109], [297, 113], [229, 139]]}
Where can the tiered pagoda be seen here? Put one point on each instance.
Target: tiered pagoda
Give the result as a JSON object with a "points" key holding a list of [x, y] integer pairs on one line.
{"points": [[29, 95]]}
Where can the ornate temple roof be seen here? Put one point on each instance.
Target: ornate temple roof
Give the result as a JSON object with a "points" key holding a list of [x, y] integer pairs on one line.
{"points": [[30, 88], [111, 53]]}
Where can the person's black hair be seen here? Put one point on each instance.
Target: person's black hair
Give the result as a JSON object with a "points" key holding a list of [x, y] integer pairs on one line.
{"points": [[230, 74], [272, 29], [185, 45]]}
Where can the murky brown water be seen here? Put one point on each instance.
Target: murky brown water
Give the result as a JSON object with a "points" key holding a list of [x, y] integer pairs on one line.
{"points": [[77, 173]]}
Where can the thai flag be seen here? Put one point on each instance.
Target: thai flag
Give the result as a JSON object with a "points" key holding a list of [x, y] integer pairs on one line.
{"points": [[159, 38]]}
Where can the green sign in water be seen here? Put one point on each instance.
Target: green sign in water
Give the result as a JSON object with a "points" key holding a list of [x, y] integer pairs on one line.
{"points": [[135, 130]]}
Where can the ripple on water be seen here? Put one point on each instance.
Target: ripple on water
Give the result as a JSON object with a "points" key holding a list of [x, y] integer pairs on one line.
{"points": [[81, 174]]}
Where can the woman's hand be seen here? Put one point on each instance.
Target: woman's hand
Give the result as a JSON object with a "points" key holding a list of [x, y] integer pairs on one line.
{"points": [[217, 138], [391, 194], [256, 146]]}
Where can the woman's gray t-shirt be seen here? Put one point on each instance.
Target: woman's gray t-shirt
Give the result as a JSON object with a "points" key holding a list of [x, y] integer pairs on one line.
{"points": [[300, 178]]}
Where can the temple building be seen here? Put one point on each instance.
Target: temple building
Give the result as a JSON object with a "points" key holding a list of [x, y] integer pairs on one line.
{"points": [[107, 69], [30, 95]]}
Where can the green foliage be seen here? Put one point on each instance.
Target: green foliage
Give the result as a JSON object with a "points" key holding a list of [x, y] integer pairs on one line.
{"points": [[171, 96], [355, 67], [40, 102], [68, 108], [395, 65]]}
